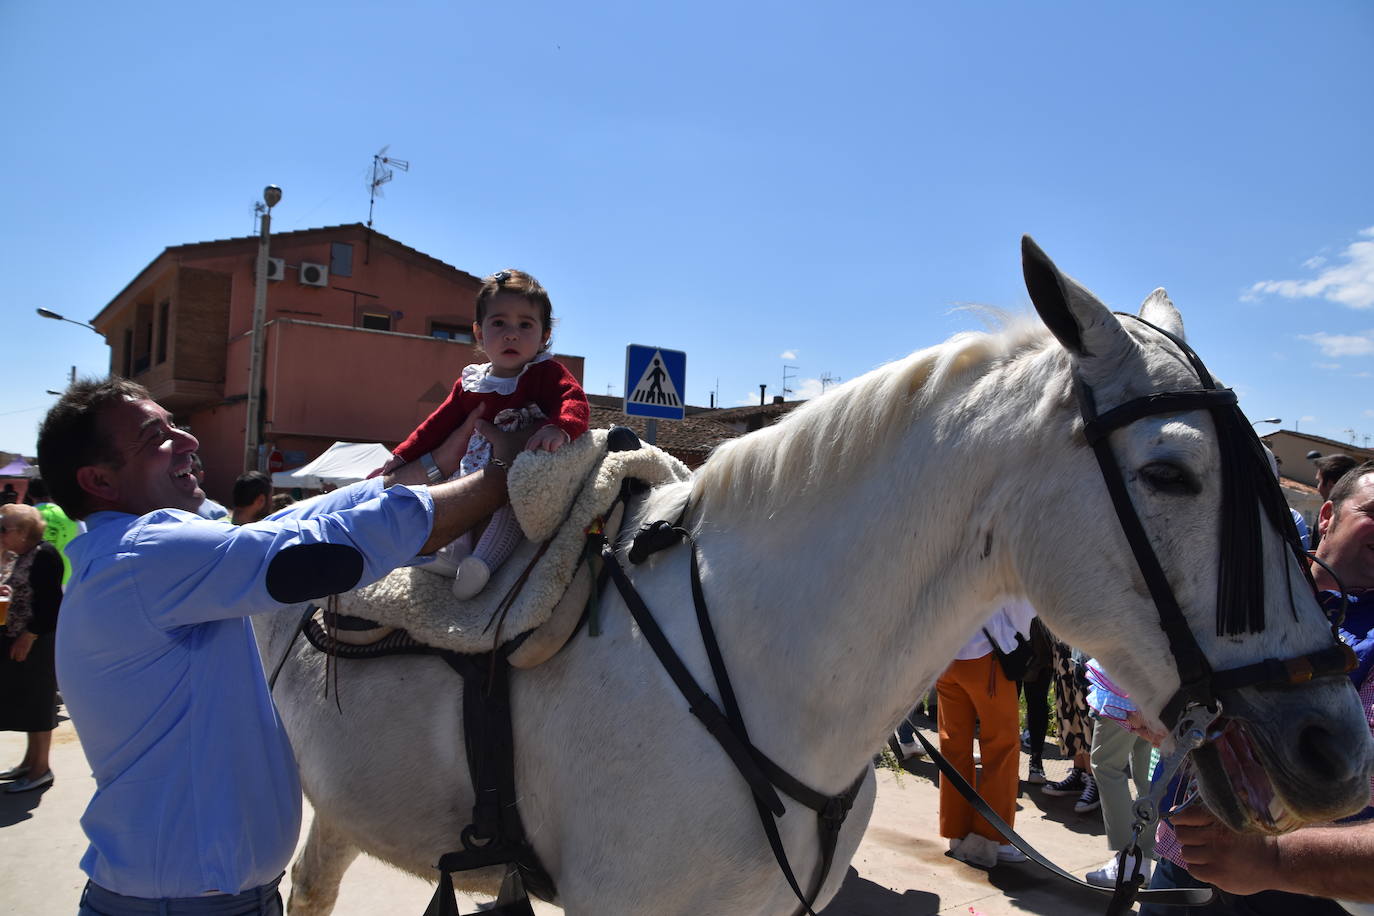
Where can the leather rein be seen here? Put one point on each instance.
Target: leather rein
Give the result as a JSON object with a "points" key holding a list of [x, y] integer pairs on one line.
{"points": [[764, 777]]}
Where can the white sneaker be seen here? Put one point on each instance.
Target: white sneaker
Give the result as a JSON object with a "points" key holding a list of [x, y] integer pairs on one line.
{"points": [[975, 850], [1106, 875], [472, 577], [1010, 854], [910, 748]]}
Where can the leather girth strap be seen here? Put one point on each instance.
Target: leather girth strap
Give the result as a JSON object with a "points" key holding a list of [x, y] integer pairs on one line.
{"points": [[496, 836], [1180, 896], [763, 776]]}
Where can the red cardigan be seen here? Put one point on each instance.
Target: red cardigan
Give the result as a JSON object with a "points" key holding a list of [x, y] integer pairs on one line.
{"points": [[547, 384]]}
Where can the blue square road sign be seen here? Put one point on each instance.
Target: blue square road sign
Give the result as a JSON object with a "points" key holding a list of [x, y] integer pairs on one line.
{"points": [[655, 382]]}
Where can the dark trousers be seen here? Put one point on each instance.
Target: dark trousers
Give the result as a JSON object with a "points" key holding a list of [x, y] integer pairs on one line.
{"points": [[1265, 903], [258, 901], [1037, 695]]}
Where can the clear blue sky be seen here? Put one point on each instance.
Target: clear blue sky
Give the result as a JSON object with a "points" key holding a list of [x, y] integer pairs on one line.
{"points": [[739, 181]]}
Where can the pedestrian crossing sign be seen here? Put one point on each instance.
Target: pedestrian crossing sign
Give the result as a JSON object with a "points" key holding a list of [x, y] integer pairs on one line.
{"points": [[655, 382]]}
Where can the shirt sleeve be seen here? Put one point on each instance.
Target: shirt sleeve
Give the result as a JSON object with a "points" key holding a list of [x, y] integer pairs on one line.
{"points": [[435, 428], [188, 570], [561, 399]]}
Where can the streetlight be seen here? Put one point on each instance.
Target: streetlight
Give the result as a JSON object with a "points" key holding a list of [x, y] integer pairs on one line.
{"points": [[49, 313], [271, 196], [1266, 420]]}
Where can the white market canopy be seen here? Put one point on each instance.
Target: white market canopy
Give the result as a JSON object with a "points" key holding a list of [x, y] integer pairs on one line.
{"points": [[342, 463]]}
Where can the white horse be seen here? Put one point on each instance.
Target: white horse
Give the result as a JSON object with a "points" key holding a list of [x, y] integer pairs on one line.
{"points": [[846, 554]]}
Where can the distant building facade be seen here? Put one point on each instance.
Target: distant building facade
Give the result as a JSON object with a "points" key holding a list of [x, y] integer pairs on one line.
{"points": [[364, 338]]}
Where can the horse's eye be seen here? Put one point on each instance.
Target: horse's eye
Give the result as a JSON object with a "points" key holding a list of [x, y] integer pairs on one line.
{"points": [[1163, 477]]}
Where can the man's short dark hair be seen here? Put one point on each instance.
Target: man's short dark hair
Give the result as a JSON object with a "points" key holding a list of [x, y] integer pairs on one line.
{"points": [[1349, 482], [38, 490], [249, 487], [72, 437], [1331, 468]]}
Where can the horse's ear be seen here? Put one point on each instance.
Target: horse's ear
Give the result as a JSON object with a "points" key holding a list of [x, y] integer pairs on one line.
{"points": [[1160, 312], [1085, 326]]}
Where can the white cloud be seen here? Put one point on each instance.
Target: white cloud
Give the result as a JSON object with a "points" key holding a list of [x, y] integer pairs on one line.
{"points": [[1331, 366], [1314, 262], [1308, 419], [806, 389], [1336, 346], [1369, 413], [788, 354], [1350, 283]]}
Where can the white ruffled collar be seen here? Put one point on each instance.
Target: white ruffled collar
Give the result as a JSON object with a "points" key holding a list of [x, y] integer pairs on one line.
{"points": [[478, 379]]}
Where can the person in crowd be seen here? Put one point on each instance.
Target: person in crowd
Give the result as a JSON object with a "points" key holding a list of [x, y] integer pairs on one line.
{"points": [[281, 500], [197, 805], [9, 496], [32, 592], [252, 498], [1075, 729], [974, 690], [58, 529], [1121, 768], [521, 387], [1330, 469], [1035, 687], [208, 508], [1308, 870]]}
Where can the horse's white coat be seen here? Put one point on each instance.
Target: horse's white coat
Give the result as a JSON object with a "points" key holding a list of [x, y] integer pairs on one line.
{"points": [[847, 553]]}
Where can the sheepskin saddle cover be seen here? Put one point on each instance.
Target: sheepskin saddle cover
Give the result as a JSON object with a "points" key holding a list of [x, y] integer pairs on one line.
{"points": [[556, 496]]}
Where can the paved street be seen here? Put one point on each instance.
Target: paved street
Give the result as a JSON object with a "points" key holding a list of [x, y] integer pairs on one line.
{"points": [[900, 870]]}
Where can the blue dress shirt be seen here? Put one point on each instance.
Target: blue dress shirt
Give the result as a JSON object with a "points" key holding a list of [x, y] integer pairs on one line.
{"points": [[196, 785]]}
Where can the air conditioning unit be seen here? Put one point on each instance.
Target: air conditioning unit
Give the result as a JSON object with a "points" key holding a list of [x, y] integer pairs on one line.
{"points": [[313, 274], [276, 268]]}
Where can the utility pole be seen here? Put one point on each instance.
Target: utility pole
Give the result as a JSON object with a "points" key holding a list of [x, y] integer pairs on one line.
{"points": [[252, 431]]}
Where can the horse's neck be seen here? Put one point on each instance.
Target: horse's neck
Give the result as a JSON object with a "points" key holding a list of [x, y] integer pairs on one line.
{"points": [[837, 612]]}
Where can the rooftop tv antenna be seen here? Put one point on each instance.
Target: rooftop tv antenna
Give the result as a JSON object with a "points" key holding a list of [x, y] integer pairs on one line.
{"points": [[827, 380], [789, 373], [383, 170]]}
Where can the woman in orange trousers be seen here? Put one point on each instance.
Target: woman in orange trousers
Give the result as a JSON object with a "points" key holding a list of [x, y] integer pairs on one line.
{"points": [[973, 690]]}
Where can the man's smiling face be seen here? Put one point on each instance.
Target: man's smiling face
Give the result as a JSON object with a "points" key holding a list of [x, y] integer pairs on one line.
{"points": [[155, 472]]}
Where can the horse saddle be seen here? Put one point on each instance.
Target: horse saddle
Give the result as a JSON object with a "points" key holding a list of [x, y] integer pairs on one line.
{"points": [[543, 588]]}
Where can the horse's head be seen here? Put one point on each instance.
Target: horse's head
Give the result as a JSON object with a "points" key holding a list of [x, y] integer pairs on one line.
{"points": [[1285, 751]]}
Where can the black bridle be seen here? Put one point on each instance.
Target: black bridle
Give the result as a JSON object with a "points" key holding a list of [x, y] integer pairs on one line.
{"points": [[1248, 486]]}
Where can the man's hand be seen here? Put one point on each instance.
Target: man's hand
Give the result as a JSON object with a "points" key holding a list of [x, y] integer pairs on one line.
{"points": [[1242, 863], [504, 445], [22, 644], [547, 438], [446, 456]]}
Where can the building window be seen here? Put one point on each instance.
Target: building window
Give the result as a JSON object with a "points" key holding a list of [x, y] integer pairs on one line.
{"points": [[164, 315], [128, 368], [341, 259], [450, 332], [376, 321]]}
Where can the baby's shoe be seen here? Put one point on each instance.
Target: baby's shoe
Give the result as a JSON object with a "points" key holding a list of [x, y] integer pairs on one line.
{"points": [[472, 577]]}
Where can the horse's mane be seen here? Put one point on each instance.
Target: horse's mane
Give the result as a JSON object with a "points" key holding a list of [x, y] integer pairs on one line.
{"points": [[839, 432]]}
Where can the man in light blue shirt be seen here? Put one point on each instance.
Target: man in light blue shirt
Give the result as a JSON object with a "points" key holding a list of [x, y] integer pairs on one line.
{"points": [[197, 807]]}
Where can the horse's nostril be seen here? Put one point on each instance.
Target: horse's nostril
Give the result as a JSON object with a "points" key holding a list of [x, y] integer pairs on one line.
{"points": [[1322, 752]]}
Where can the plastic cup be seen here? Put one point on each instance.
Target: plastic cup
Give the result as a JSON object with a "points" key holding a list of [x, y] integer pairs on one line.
{"points": [[4, 609]]}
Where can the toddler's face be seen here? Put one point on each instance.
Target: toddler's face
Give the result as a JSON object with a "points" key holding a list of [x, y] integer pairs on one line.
{"points": [[512, 334]]}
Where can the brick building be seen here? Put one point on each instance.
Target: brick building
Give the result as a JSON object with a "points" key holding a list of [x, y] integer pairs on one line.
{"points": [[364, 338]]}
